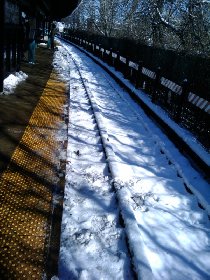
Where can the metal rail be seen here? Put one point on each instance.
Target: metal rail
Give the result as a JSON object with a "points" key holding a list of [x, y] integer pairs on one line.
{"points": [[196, 161], [109, 153]]}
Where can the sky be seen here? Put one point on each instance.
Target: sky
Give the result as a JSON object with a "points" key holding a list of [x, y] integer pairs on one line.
{"points": [[125, 204]]}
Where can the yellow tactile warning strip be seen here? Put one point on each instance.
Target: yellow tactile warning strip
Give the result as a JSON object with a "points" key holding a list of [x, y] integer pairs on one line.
{"points": [[26, 190]]}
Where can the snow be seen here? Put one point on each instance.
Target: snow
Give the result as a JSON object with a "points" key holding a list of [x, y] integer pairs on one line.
{"points": [[92, 242], [12, 81], [168, 234], [183, 133], [143, 177]]}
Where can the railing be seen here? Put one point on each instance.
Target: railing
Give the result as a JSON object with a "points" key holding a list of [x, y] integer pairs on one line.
{"points": [[182, 105]]}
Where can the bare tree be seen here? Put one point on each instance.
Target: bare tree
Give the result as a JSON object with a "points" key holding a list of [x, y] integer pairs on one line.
{"points": [[175, 24]]}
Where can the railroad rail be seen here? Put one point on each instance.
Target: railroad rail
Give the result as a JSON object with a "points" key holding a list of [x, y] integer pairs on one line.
{"points": [[135, 244], [93, 135], [188, 150]]}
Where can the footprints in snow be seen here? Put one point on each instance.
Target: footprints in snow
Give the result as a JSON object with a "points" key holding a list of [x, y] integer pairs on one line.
{"points": [[101, 228], [144, 201]]}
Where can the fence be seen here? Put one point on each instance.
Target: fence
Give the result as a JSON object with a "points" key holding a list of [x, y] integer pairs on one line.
{"points": [[182, 105]]}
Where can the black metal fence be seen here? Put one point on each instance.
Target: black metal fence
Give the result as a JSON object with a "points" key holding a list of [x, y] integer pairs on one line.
{"points": [[181, 104]]}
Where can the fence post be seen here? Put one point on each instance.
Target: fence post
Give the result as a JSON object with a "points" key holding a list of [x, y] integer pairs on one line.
{"points": [[86, 44], [105, 58], [83, 43], [92, 47], [110, 58], [156, 88], [183, 100], [99, 50], [139, 77], [117, 61], [89, 46], [102, 53], [127, 69]]}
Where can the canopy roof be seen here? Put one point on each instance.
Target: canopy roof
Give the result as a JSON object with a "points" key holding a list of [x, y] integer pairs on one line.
{"points": [[53, 9]]}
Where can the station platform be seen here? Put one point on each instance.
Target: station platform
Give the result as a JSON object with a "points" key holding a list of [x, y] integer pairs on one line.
{"points": [[29, 121]]}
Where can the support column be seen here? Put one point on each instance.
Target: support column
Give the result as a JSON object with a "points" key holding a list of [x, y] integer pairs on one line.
{"points": [[15, 33], [2, 27]]}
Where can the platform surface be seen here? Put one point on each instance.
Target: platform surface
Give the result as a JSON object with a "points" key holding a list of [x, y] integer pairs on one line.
{"points": [[29, 120]]}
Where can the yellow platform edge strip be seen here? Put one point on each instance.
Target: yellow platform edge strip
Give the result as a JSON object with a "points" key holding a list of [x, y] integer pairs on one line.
{"points": [[25, 190]]}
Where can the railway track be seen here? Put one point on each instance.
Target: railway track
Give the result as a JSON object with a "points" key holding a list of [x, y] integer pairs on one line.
{"points": [[148, 192], [89, 185]]}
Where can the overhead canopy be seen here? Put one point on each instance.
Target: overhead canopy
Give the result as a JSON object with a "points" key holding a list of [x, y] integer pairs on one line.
{"points": [[53, 9]]}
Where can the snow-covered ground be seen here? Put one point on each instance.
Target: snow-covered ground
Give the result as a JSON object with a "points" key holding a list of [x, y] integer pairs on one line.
{"points": [[93, 242], [186, 135], [174, 231], [162, 220]]}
